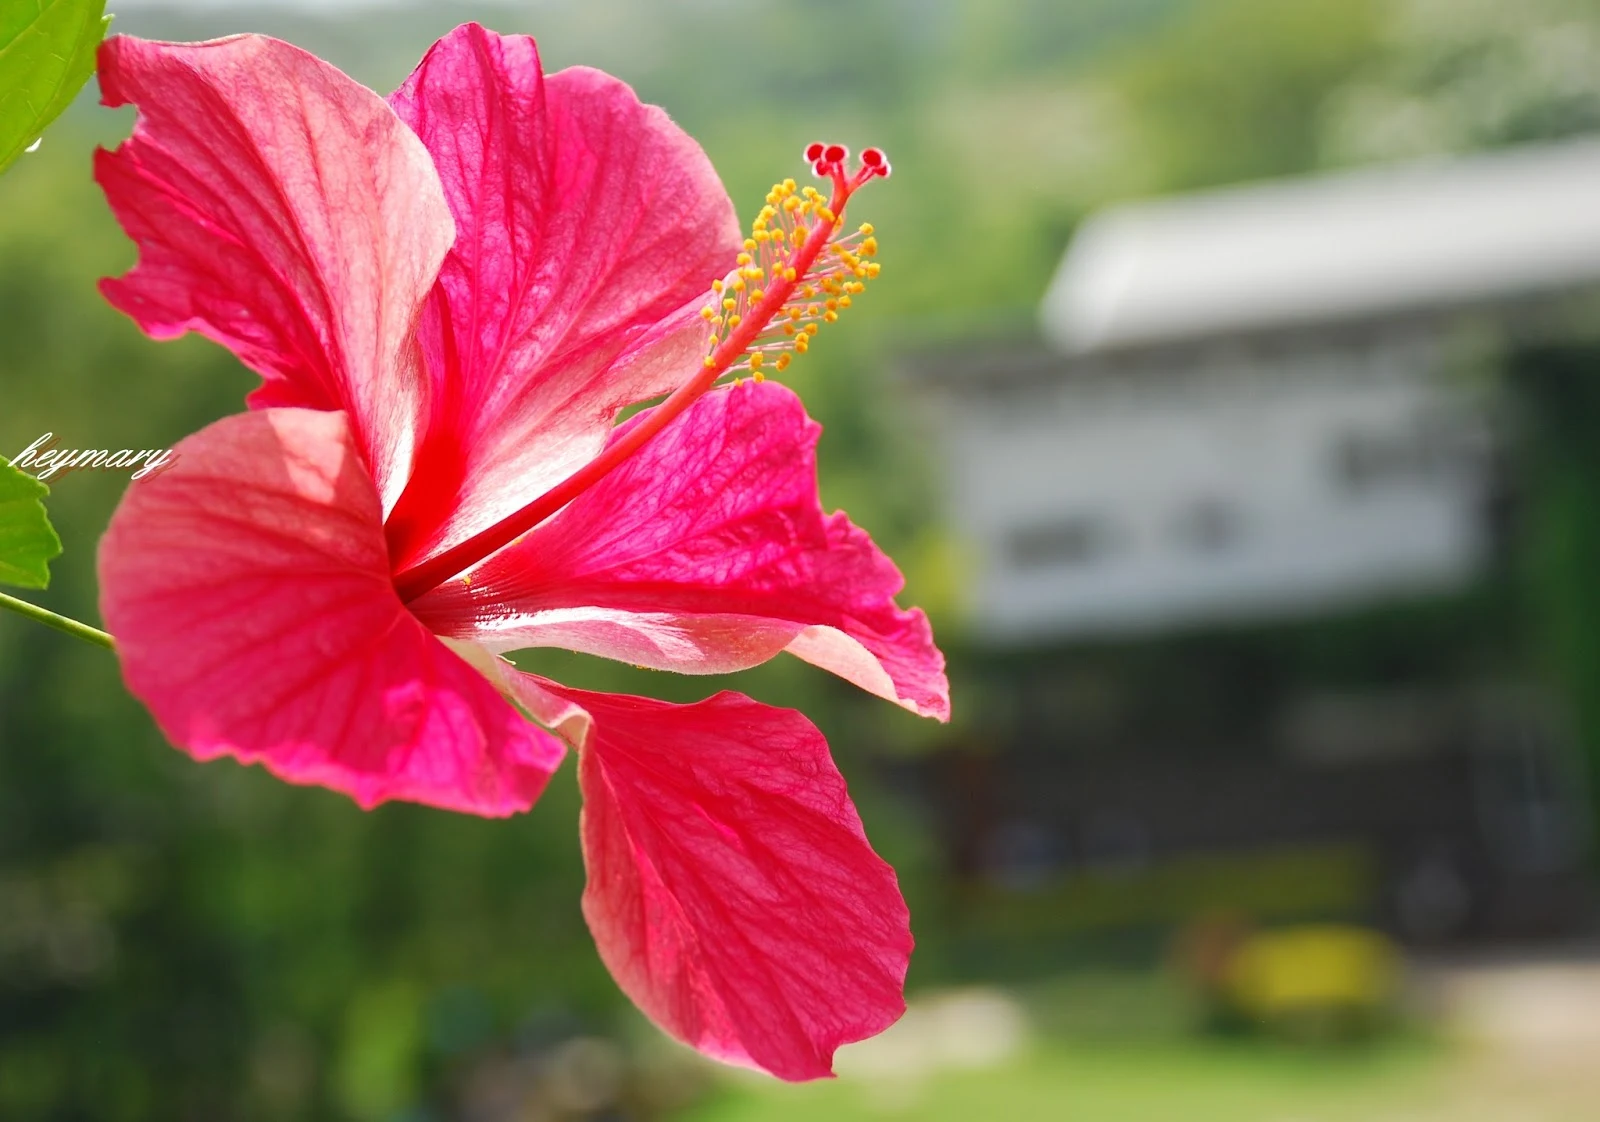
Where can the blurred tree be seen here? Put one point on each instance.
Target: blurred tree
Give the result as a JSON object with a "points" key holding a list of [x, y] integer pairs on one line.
{"points": [[1558, 389], [1234, 89], [1457, 75]]}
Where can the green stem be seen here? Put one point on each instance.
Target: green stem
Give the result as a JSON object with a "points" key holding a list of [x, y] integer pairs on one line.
{"points": [[60, 623]]}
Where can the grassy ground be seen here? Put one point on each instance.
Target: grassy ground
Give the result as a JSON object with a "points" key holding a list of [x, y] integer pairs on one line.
{"points": [[1061, 1084], [1122, 1050]]}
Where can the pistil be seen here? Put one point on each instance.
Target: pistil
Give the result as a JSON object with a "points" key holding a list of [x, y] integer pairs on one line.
{"points": [[747, 316]]}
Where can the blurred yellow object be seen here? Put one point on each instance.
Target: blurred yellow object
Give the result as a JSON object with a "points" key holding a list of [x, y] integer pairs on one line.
{"points": [[1331, 968]]}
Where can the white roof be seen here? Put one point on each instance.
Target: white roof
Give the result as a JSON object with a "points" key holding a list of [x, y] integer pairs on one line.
{"points": [[1334, 247]]}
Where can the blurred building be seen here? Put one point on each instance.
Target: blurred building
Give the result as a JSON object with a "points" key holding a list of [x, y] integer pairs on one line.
{"points": [[1262, 421]]}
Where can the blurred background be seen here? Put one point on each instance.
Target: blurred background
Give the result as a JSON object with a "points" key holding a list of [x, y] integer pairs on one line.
{"points": [[1231, 399]]}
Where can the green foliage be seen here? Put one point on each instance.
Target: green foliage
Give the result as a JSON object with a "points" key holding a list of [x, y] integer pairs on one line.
{"points": [[1236, 89], [47, 52], [27, 540], [1470, 74], [1559, 390]]}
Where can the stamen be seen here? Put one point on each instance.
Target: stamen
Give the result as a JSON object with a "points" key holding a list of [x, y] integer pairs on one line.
{"points": [[784, 226], [795, 253]]}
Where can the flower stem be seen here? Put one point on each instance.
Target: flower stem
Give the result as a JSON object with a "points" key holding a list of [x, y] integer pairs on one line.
{"points": [[60, 623]]}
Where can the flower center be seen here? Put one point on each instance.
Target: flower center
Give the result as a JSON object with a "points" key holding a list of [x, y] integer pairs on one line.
{"points": [[797, 269]]}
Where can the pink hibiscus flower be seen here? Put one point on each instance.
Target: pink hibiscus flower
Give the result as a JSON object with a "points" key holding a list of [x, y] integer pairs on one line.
{"points": [[449, 295]]}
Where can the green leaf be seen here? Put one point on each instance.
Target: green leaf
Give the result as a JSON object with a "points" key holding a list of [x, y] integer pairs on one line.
{"points": [[46, 55], [27, 540]]}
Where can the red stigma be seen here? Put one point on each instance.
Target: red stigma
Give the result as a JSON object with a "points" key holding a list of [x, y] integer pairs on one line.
{"points": [[874, 162], [814, 151], [836, 153]]}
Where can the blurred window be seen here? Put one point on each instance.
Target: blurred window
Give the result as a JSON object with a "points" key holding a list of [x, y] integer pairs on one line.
{"points": [[1209, 525], [1078, 540], [1427, 448]]}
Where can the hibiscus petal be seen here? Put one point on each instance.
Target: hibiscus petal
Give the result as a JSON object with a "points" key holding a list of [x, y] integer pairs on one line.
{"points": [[590, 227], [283, 210], [705, 553], [732, 892], [248, 589]]}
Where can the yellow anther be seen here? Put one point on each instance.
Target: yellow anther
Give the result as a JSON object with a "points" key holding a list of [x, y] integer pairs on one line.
{"points": [[792, 215]]}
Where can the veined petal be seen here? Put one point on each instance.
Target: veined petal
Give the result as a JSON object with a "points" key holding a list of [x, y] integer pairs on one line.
{"points": [[248, 589], [732, 892], [283, 210], [589, 228], [705, 553]]}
